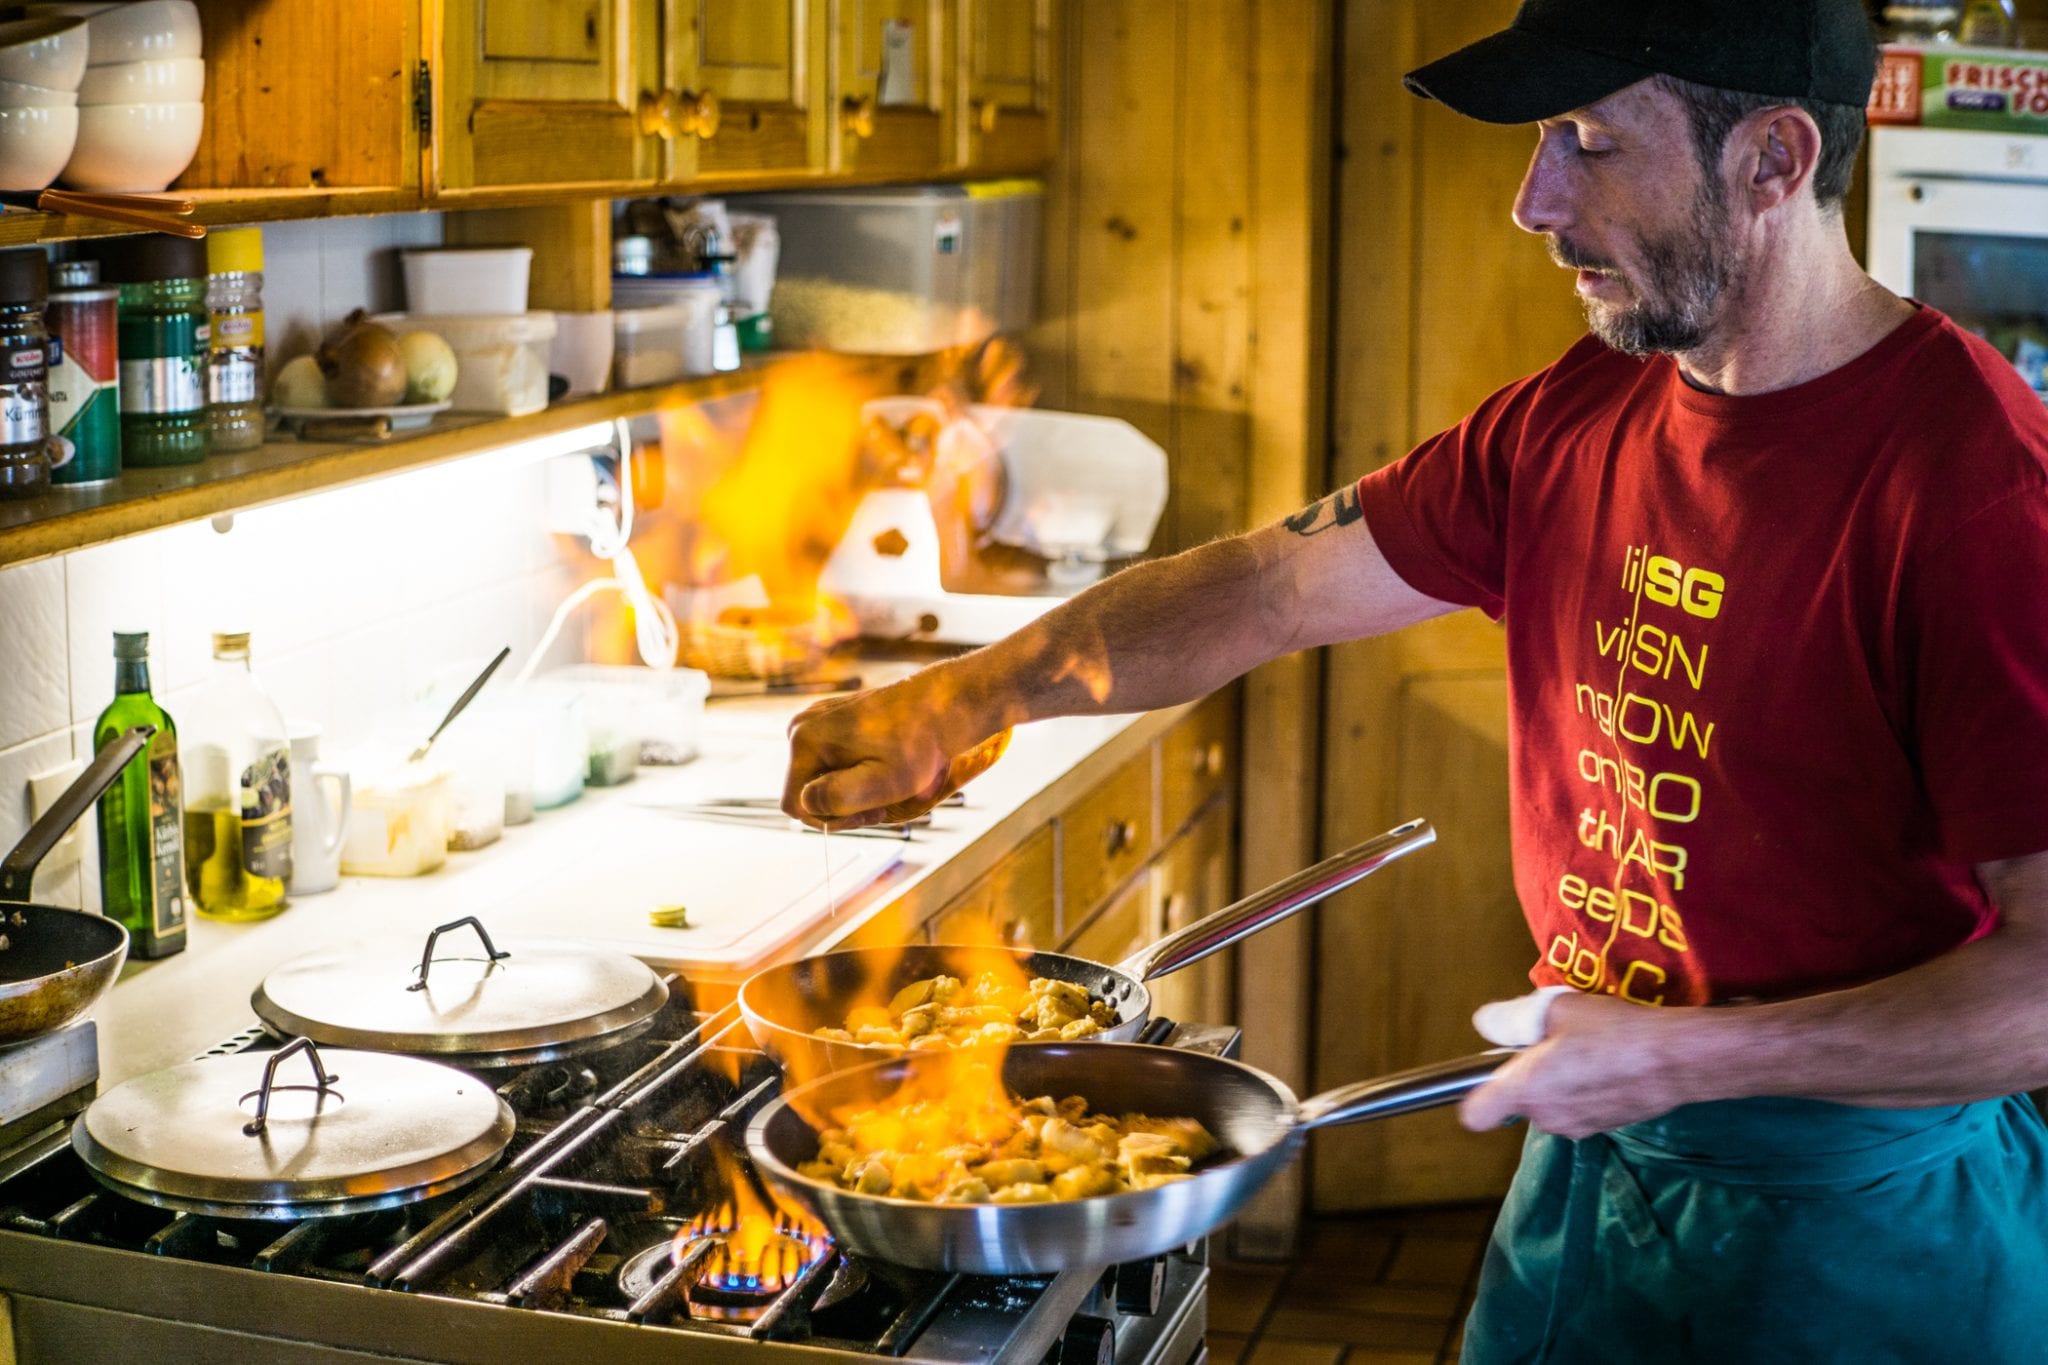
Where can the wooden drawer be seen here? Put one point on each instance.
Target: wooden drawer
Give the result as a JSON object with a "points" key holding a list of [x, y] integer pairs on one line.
{"points": [[1192, 880], [1119, 930], [1015, 898], [1197, 759], [1105, 837]]}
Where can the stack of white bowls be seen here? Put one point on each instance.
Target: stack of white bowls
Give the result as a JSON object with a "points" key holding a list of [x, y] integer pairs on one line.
{"points": [[139, 109], [42, 61]]}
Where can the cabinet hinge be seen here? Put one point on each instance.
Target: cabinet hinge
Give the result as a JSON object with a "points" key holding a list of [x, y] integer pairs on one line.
{"points": [[423, 99]]}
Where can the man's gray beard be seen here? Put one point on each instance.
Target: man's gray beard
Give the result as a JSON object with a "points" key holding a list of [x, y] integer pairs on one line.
{"points": [[1684, 276]]}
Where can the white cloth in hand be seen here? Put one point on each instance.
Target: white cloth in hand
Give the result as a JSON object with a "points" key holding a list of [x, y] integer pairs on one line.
{"points": [[1519, 1022]]}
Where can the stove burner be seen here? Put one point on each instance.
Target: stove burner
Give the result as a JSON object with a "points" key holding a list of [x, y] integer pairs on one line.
{"points": [[734, 1274]]}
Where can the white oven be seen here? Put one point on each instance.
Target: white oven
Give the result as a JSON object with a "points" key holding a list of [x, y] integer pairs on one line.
{"points": [[1959, 220]]}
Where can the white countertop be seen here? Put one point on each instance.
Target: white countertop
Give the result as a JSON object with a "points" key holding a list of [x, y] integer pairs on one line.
{"points": [[606, 853]]}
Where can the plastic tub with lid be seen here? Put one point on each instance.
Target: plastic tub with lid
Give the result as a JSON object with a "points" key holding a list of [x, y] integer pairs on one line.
{"points": [[502, 359], [698, 295], [650, 345], [460, 280]]}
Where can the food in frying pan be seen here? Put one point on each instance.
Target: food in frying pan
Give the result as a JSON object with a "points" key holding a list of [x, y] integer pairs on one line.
{"points": [[944, 1011], [1039, 1151]]}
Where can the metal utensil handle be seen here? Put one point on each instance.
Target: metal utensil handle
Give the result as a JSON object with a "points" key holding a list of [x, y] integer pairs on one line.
{"points": [[1276, 902], [324, 1078], [462, 702], [427, 957], [18, 869], [1425, 1087]]}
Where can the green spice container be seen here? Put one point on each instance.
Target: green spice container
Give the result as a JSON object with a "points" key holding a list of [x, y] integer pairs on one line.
{"points": [[164, 339]]}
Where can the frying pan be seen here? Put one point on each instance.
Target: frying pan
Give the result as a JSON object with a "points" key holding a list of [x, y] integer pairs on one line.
{"points": [[784, 1005], [54, 962], [1255, 1118]]}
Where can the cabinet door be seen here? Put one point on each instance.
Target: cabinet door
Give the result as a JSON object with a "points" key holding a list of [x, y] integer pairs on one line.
{"points": [[1013, 901], [547, 92], [889, 87], [1005, 60], [1191, 880], [1119, 929], [762, 65]]}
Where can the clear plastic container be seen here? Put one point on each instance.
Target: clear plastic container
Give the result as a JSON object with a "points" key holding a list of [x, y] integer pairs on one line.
{"points": [[663, 708], [399, 822], [502, 358], [698, 295], [650, 345]]}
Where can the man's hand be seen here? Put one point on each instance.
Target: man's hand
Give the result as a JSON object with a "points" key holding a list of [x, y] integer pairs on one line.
{"points": [[1601, 1065], [877, 757]]}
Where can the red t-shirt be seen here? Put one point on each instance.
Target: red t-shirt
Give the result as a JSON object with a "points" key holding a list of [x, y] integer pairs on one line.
{"points": [[1777, 665]]}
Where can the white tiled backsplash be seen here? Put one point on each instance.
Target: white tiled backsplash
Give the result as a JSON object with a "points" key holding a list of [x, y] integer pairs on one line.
{"points": [[356, 599]]}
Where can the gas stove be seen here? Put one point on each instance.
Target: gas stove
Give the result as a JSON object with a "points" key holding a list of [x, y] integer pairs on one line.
{"points": [[614, 1228]]}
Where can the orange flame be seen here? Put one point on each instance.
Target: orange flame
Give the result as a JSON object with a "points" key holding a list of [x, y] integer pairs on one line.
{"points": [[761, 1247]]}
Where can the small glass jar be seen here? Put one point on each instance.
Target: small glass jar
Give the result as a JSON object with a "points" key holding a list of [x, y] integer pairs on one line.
{"points": [[234, 300], [24, 375], [165, 335]]}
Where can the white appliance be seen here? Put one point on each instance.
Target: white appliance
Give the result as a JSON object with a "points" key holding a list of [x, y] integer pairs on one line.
{"points": [[993, 521], [1959, 220]]}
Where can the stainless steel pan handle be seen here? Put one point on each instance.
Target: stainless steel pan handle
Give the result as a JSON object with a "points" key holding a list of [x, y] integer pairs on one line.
{"points": [[18, 869], [1240, 921], [1404, 1092]]}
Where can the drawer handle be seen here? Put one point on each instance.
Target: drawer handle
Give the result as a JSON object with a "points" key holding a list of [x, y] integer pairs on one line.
{"points": [[700, 114], [1119, 837], [986, 112], [1209, 761], [857, 116]]}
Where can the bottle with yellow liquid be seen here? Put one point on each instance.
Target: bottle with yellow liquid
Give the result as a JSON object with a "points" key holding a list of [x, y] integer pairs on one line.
{"points": [[238, 830]]}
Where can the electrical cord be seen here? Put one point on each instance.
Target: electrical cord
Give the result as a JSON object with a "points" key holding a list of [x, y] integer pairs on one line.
{"points": [[654, 626]]}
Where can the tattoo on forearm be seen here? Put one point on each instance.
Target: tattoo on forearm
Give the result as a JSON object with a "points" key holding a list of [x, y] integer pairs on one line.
{"points": [[1341, 508]]}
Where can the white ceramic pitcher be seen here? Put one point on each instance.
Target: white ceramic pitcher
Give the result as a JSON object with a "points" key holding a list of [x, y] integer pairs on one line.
{"points": [[321, 801]]}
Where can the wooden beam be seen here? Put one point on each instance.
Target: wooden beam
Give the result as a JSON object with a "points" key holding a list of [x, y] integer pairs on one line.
{"points": [[572, 249]]}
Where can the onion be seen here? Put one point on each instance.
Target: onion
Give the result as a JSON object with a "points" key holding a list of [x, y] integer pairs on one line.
{"points": [[299, 384], [363, 363], [429, 367]]}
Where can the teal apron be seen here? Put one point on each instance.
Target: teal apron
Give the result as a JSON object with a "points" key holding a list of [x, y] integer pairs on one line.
{"points": [[1749, 1232]]}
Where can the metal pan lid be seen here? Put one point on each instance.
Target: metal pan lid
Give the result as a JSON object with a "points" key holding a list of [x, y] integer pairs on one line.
{"points": [[293, 1133], [467, 998]]}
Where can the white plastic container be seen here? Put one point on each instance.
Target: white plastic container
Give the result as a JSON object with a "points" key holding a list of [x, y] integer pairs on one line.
{"points": [[650, 345], [699, 297], [502, 360], [582, 350], [462, 280]]}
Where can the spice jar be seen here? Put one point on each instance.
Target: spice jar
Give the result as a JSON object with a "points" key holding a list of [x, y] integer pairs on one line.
{"points": [[234, 297], [85, 395], [164, 337], [24, 375]]}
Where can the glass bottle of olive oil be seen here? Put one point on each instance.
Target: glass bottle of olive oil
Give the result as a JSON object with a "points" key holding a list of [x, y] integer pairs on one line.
{"points": [[142, 873], [238, 804]]}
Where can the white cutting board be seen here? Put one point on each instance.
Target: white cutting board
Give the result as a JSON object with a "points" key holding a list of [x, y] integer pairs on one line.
{"points": [[751, 893]]}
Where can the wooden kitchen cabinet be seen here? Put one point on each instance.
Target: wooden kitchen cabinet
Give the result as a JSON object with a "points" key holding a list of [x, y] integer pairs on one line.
{"points": [[1005, 63], [1017, 899], [752, 75], [890, 87], [548, 93], [1118, 929], [1106, 837], [1195, 877]]}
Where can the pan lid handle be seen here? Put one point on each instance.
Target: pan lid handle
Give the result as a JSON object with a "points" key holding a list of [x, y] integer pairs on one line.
{"points": [[427, 957], [18, 869], [1277, 902], [1404, 1092], [324, 1078]]}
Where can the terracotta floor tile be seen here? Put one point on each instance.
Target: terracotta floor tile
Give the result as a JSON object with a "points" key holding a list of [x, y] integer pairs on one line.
{"points": [[1381, 1330], [1225, 1349], [1239, 1296], [1430, 1259], [1453, 1220], [1353, 1251], [1269, 1352], [1365, 1355], [1437, 1302]]}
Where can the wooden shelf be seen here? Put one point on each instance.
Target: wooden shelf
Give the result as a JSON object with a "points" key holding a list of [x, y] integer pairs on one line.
{"points": [[217, 208], [141, 500]]}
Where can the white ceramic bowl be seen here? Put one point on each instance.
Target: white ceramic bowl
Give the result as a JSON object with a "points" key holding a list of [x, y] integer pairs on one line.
{"points": [[143, 31], [15, 95], [139, 148], [34, 145], [48, 50], [169, 80]]}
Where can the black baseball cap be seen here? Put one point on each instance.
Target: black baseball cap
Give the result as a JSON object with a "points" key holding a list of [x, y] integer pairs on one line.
{"points": [[1560, 55]]}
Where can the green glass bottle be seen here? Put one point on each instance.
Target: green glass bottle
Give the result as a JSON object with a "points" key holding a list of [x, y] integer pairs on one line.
{"points": [[142, 856]]}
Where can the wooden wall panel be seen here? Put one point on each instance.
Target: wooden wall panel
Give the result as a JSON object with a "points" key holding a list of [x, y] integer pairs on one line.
{"points": [[1439, 299]]}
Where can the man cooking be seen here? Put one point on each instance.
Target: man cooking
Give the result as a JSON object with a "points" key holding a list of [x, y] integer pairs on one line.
{"points": [[1769, 547]]}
